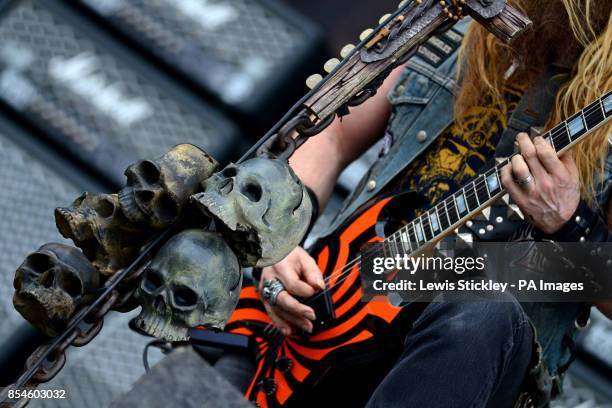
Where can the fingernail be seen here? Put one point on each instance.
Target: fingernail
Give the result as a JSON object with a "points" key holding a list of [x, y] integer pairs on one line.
{"points": [[286, 331], [321, 283], [310, 315], [307, 328]]}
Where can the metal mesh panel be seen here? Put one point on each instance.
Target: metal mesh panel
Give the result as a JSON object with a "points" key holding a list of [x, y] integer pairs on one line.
{"points": [[230, 47], [597, 339], [103, 370], [101, 106], [30, 192]]}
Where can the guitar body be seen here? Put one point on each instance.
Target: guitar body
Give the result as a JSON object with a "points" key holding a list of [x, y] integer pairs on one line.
{"points": [[349, 353]]}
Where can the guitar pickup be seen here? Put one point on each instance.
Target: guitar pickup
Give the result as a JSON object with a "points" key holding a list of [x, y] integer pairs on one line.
{"points": [[323, 307]]}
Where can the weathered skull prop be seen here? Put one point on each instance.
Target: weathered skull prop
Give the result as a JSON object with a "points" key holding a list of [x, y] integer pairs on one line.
{"points": [[51, 284], [263, 208], [96, 224], [157, 190], [194, 280]]}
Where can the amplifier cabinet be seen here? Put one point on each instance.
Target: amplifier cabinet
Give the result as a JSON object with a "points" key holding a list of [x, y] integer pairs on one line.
{"points": [[252, 55], [90, 95]]}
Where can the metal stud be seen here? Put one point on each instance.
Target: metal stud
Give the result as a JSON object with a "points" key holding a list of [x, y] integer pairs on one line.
{"points": [[499, 220], [313, 80], [490, 227], [469, 224], [481, 231]]}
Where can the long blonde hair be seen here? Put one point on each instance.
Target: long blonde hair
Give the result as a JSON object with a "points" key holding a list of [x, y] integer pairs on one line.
{"points": [[577, 31]]}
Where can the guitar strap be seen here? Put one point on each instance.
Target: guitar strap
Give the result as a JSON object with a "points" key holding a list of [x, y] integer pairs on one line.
{"points": [[533, 109]]}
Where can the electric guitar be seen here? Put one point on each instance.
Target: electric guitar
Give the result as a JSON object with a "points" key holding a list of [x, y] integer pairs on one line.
{"points": [[355, 343]]}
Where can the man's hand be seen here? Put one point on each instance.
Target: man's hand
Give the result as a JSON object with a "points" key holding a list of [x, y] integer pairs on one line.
{"points": [[545, 188], [301, 277]]}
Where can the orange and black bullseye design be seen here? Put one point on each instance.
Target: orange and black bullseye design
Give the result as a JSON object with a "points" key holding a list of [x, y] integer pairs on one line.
{"points": [[290, 366]]}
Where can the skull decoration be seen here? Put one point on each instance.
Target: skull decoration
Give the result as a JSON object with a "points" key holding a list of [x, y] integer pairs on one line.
{"points": [[194, 280], [157, 190], [263, 208], [51, 284], [96, 224]]}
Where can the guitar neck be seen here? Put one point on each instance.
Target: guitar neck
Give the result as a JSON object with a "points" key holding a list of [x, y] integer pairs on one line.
{"points": [[484, 189]]}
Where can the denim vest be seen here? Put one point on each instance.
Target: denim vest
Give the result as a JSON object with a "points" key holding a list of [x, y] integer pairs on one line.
{"points": [[422, 108]]}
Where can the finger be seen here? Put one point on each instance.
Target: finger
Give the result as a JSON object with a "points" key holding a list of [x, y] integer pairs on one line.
{"points": [[510, 185], [522, 172], [296, 321], [529, 153], [291, 305], [548, 158], [283, 325], [311, 273], [292, 281], [570, 164]]}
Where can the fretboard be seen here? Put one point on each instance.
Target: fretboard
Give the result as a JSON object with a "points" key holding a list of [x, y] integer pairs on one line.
{"points": [[481, 191]]}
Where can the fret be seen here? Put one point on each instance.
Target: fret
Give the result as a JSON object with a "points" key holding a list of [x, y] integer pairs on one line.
{"points": [[453, 214], [493, 182], [461, 204], [411, 234], [418, 229], [400, 242], [443, 215], [481, 189], [427, 232], [434, 221], [406, 240], [559, 136], [393, 250], [575, 126], [386, 249], [593, 115], [470, 197], [606, 104]]}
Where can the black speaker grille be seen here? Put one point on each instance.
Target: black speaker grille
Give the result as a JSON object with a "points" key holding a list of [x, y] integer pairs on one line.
{"points": [[29, 191], [93, 100], [233, 48]]}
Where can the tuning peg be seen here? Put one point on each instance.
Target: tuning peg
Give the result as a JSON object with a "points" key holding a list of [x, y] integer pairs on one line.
{"points": [[313, 80], [346, 50], [365, 34], [331, 64], [384, 18], [402, 4]]}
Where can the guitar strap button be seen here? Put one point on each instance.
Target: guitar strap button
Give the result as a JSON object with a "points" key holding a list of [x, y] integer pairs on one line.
{"points": [[371, 185]]}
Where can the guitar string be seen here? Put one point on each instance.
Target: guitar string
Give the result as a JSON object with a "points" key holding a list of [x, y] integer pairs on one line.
{"points": [[345, 271]]}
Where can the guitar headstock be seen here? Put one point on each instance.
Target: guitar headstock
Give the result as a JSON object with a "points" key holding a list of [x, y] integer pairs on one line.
{"points": [[355, 77]]}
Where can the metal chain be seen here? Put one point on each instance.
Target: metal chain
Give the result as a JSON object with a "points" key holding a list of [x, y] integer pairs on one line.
{"points": [[48, 359]]}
